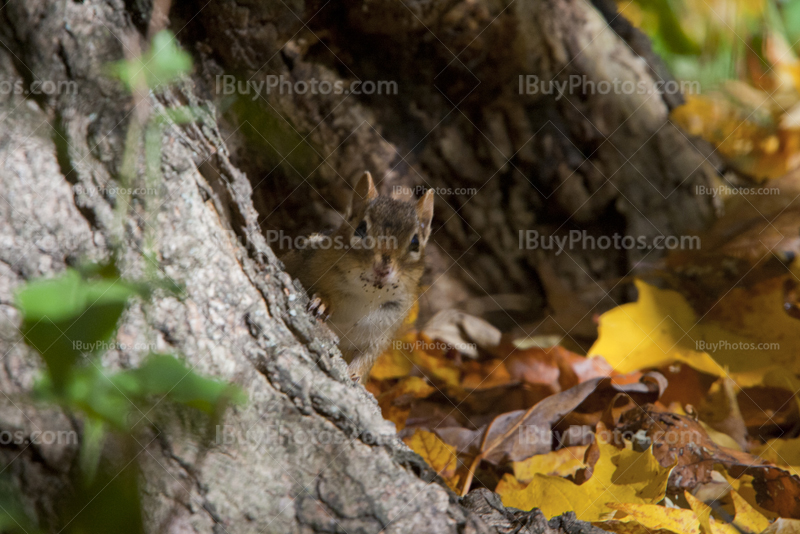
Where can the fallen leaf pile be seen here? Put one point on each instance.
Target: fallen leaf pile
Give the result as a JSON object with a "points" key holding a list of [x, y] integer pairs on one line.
{"points": [[682, 417]]}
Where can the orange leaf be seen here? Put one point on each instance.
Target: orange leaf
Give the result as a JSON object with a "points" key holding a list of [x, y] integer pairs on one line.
{"points": [[395, 403], [485, 375]]}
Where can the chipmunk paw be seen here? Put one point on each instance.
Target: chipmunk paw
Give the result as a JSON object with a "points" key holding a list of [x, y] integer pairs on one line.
{"points": [[319, 308], [359, 368]]}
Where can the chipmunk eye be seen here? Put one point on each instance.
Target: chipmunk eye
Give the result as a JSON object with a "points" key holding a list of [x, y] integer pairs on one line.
{"points": [[414, 246], [361, 229]]}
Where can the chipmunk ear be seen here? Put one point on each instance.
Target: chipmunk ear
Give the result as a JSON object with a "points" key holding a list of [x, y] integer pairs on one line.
{"points": [[425, 215], [363, 193]]}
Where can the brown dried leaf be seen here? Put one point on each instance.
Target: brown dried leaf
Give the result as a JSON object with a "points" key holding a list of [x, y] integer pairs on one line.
{"points": [[518, 435], [776, 490], [680, 438]]}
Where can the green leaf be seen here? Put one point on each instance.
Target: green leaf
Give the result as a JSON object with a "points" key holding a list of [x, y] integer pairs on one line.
{"points": [[94, 434], [164, 63], [167, 376], [183, 114], [68, 316], [90, 391], [107, 270], [112, 398], [168, 61], [97, 395], [671, 31], [110, 503], [67, 296], [791, 19]]}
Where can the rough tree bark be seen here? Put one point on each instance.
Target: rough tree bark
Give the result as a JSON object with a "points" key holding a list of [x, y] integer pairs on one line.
{"points": [[310, 452]]}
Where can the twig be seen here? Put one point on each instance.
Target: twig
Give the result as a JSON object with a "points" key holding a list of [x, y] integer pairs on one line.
{"points": [[159, 18], [484, 451]]}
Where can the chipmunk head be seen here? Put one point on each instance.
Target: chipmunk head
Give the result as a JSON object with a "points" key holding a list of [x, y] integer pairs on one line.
{"points": [[387, 236]]}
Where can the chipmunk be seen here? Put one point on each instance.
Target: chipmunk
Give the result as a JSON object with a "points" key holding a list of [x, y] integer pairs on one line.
{"points": [[364, 277]]}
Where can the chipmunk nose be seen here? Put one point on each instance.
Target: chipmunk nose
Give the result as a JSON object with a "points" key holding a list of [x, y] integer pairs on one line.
{"points": [[382, 267]]}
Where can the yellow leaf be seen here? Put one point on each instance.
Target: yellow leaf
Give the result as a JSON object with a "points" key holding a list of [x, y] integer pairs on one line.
{"points": [[747, 333], [744, 488], [554, 496], [651, 332], [394, 363], [748, 519], [413, 313], [619, 476], [631, 11], [763, 148], [754, 331], [561, 463], [782, 452], [436, 453], [650, 517], [626, 527], [509, 483], [437, 368], [701, 511], [654, 517], [708, 525]]}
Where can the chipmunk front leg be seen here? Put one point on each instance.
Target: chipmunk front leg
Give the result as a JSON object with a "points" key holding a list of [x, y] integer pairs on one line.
{"points": [[361, 364]]}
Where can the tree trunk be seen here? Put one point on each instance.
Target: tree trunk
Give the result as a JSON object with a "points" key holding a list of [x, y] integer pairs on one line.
{"points": [[310, 451]]}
